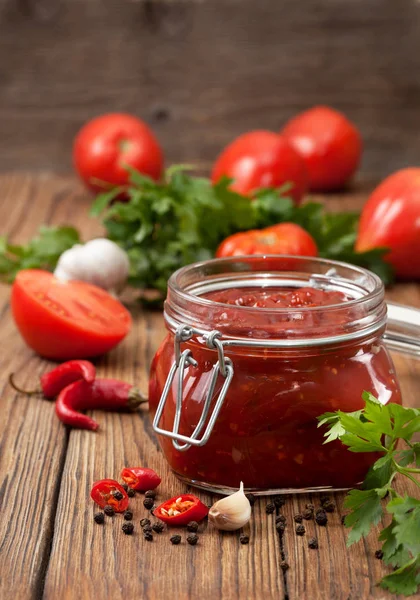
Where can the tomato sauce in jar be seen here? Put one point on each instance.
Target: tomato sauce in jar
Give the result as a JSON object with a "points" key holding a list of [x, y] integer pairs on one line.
{"points": [[300, 344]]}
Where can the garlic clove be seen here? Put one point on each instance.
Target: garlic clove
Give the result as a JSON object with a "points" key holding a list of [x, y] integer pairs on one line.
{"points": [[100, 262], [232, 512]]}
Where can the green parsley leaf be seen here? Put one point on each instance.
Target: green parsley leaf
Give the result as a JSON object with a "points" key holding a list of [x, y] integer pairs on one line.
{"points": [[366, 511], [394, 552], [42, 252], [404, 580], [406, 514], [412, 455]]}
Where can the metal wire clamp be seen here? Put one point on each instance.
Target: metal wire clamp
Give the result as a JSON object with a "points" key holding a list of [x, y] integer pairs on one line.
{"points": [[183, 360]]}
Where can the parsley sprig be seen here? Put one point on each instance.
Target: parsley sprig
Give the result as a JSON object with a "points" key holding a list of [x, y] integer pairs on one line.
{"points": [[389, 430], [42, 252], [182, 219]]}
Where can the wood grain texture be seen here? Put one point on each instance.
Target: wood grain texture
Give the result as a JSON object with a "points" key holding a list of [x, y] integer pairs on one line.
{"points": [[53, 549], [32, 442], [203, 71], [88, 560]]}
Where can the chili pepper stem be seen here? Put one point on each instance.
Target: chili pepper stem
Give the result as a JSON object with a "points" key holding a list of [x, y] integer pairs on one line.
{"points": [[135, 398], [20, 390]]}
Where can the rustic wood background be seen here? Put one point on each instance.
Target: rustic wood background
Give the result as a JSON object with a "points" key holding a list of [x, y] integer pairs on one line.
{"points": [[202, 71]]}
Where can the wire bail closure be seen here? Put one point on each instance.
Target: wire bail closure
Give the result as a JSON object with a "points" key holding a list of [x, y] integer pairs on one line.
{"points": [[183, 360]]}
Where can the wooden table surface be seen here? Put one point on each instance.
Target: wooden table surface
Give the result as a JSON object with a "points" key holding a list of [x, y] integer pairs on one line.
{"points": [[50, 546]]}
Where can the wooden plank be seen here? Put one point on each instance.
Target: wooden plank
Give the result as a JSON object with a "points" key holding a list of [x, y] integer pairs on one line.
{"points": [[32, 442], [202, 72]]}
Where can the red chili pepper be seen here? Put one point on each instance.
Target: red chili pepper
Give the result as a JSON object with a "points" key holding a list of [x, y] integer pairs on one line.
{"points": [[103, 491], [179, 511], [56, 380], [105, 394], [140, 478]]}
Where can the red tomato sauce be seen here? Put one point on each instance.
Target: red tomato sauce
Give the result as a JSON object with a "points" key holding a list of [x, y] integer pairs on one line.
{"points": [[274, 298], [266, 434]]}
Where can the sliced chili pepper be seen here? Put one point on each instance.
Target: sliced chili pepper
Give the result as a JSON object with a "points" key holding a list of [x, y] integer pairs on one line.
{"points": [[179, 511], [56, 380], [141, 479], [105, 394], [103, 491]]}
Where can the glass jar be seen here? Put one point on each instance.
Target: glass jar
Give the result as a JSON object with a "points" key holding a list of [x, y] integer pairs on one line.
{"points": [[238, 383]]}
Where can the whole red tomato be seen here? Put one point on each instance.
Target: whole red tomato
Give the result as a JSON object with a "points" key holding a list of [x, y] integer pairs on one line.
{"points": [[285, 238], [261, 159], [64, 320], [106, 144], [391, 218], [329, 143]]}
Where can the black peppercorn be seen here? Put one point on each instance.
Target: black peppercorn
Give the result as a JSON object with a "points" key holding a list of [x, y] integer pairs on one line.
{"points": [[270, 508], [281, 519], [150, 494], [279, 501], [109, 511], [99, 518], [308, 514], [128, 515], [310, 506], [148, 503], [118, 495], [158, 527], [284, 566], [192, 526], [313, 543], [300, 530], [244, 539], [379, 554], [144, 522], [147, 528], [131, 493], [128, 528], [148, 535], [329, 506], [321, 517], [324, 499], [124, 487], [298, 518], [192, 539], [175, 539], [251, 499]]}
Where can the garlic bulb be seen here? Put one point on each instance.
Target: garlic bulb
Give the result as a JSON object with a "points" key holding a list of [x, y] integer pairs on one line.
{"points": [[232, 512], [100, 262]]}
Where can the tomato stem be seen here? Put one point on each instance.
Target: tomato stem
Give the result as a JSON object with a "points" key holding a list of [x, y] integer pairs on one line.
{"points": [[124, 145], [20, 390]]}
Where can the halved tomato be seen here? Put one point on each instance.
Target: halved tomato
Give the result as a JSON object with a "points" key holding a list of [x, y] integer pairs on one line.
{"points": [[66, 320]]}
